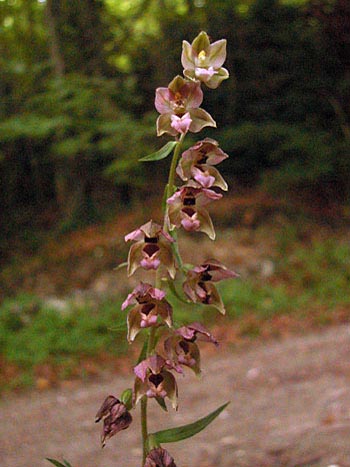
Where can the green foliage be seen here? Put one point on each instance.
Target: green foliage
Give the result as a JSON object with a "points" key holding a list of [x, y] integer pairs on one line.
{"points": [[291, 155], [313, 277], [161, 154], [308, 279], [33, 332], [74, 116]]}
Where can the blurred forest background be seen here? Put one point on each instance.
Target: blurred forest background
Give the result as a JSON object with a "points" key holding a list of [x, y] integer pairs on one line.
{"points": [[77, 83]]}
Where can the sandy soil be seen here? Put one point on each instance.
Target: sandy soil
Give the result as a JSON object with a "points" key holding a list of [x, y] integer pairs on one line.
{"points": [[290, 406]]}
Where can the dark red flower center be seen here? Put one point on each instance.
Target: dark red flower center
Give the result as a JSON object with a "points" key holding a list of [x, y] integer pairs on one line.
{"points": [[189, 211], [184, 346], [150, 249], [156, 379], [147, 308], [205, 276]]}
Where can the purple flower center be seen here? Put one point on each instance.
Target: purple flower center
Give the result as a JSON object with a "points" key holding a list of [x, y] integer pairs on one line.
{"points": [[184, 346], [147, 308], [150, 249], [205, 276], [156, 379]]}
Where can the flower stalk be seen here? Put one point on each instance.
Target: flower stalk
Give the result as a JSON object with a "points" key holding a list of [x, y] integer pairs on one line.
{"points": [[167, 349]]}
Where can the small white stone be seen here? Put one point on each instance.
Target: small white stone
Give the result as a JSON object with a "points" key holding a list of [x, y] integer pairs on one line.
{"points": [[228, 440], [253, 373]]}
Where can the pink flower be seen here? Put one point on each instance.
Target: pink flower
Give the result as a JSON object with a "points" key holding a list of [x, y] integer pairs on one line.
{"points": [[199, 285], [203, 61], [152, 248], [197, 163], [150, 304], [115, 418], [181, 348], [159, 457], [178, 105], [154, 380], [195, 331], [186, 209]]}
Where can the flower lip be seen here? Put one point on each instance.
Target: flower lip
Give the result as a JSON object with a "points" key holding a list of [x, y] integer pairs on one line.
{"points": [[147, 308], [150, 249], [156, 379]]}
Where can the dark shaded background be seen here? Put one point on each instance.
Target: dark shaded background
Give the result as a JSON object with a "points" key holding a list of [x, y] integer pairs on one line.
{"points": [[77, 83]]}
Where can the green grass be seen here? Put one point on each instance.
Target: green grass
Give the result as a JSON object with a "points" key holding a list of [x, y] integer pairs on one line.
{"points": [[308, 279], [33, 333]]}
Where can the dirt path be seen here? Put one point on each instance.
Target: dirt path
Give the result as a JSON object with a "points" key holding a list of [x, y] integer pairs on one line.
{"points": [[290, 406]]}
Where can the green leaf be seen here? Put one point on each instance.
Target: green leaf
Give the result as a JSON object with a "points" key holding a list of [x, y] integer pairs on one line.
{"points": [[179, 433], [59, 464], [161, 154]]}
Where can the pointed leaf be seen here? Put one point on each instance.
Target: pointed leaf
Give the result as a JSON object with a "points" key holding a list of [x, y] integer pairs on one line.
{"points": [[161, 154], [58, 464], [173, 435]]}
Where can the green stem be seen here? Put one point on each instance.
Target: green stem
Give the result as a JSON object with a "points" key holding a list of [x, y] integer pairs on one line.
{"points": [[144, 400], [144, 430], [169, 189]]}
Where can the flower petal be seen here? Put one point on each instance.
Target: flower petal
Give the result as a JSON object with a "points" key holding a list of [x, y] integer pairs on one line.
{"points": [[164, 125], [134, 324], [159, 457], [217, 53], [186, 55], [135, 235], [134, 257], [215, 299], [201, 42], [200, 119], [170, 387], [217, 79], [206, 223], [193, 94], [162, 101]]}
